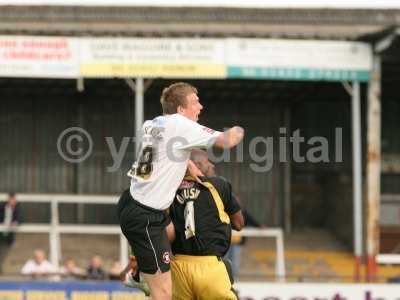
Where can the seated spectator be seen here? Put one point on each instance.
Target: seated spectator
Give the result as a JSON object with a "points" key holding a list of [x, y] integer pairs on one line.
{"points": [[115, 270], [39, 267], [70, 271], [95, 270]]}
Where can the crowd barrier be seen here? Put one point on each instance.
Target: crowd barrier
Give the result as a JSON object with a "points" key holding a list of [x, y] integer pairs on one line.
{"points": [[30, 290], [317, 291], [69, 290]]}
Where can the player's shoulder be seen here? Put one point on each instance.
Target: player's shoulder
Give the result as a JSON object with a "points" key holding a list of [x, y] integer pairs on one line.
{"points": [[218, 182], [159, 120], [175, 117], [178, 118], [156, 122], [172, 121]]}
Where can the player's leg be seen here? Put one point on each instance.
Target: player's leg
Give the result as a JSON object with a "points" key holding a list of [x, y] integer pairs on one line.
{"points": [[145, 230], [160, 282], [130, 277], [154, 269], [182, 279], [171, 232], [213, 282], [160, 285]]}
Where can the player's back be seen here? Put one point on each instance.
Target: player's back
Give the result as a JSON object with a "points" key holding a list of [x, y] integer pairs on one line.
{"points": [[196, 213], [160, 166], [165, 150]]}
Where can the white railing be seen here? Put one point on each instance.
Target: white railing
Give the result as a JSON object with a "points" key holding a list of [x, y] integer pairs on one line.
{"points": [[276, 233], [390, 208], [388, 259], [54, 228]]}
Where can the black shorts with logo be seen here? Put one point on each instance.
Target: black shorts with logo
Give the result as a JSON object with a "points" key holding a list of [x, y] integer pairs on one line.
{"points": [[145, 230]]}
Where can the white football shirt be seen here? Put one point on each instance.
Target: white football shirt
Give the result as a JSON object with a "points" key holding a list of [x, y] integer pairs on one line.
{"points": [[162, 163]]}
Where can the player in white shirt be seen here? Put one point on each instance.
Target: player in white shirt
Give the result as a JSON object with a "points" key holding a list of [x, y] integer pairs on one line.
{"points": [[156, 175]]}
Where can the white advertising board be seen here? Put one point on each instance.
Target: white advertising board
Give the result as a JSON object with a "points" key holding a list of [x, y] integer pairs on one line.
{"points": [[43, 57], [315, 291], [64, 57], [302, 60]]}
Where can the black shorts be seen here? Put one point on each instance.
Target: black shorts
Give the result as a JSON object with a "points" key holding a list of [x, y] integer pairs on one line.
{"points": [[145, 230]]}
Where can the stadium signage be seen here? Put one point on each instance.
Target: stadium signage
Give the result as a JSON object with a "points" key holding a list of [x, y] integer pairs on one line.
{"points": [[64, 57], [43, 57], [68, 290], [323, 291], [198, 58], [298, 60]]}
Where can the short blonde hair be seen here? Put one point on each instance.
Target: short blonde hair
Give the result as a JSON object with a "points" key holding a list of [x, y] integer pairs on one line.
{"points": [[175, 95]]}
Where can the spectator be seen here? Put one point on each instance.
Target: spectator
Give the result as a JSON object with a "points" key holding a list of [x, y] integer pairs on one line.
{"points": [[235, 251], [9, 217], [71, 271], [39, 267], [95, 270], [115, 270]]}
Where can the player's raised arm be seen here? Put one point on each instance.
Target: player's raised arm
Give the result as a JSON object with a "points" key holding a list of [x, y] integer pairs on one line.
{"points": [[230, 138]]}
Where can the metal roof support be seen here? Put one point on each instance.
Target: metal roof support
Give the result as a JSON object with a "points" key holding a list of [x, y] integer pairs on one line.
{"points": [[287, 167], [138, 87], [374, 156], [386, 41], [354, 92], [357, 173], [80, 84], [373, 167], [139, 110]]}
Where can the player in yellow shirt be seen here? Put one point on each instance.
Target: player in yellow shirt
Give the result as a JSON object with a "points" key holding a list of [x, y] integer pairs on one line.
{"points": [[203, 213]]}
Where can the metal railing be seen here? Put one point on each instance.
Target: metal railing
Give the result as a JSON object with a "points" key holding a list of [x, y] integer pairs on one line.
{"points": [[390, 203], [54, 228], [276, 233]]}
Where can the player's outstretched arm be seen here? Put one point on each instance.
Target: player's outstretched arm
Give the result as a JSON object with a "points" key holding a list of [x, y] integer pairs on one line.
{"points": [[229, 138], [237, 220]]}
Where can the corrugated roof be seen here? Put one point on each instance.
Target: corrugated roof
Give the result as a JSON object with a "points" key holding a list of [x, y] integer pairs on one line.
{"points": [[151, 21]]}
